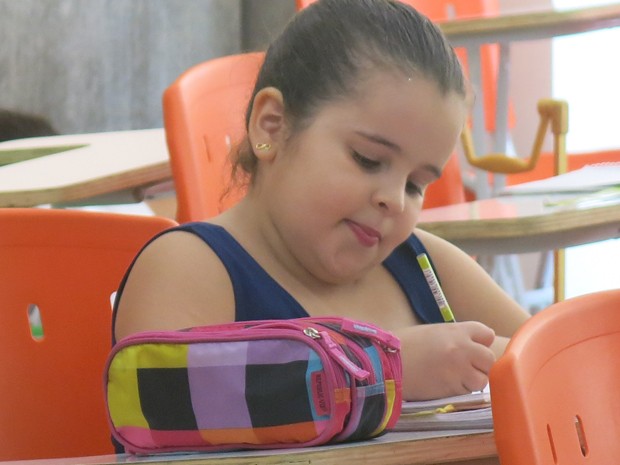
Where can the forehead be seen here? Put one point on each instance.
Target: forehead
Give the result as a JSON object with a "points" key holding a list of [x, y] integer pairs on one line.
{"points": [[396, 103], [421, 123]]}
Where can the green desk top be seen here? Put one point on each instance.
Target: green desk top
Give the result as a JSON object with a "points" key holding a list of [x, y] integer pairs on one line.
{"points": [[8, 156]]}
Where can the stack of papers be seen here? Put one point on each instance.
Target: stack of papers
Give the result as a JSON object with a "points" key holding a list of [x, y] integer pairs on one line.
{"points": [[466, 412], [590, 178]]}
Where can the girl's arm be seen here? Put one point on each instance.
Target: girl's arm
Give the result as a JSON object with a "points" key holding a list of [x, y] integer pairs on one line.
{"points": [[472, 293], [176, 282]]}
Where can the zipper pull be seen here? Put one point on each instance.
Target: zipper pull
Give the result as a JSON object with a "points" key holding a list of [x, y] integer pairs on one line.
{"points": [[336, 352], [387, 339]]}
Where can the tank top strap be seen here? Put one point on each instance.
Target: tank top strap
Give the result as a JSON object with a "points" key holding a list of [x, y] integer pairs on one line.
{"points": [[403, 264], [257, 294]]}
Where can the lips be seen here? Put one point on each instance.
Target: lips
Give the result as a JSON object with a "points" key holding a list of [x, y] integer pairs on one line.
{"points": [[367, 236]]}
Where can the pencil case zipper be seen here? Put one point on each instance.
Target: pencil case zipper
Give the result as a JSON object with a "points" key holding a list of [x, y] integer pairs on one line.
{"points": [[387, 348], [321, 344]]}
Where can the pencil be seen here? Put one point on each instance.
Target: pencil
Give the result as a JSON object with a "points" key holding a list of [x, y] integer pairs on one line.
{"points": [[433, 283]]}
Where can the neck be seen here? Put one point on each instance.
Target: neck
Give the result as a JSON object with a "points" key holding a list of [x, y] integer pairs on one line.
{"points": [[252, 227]]}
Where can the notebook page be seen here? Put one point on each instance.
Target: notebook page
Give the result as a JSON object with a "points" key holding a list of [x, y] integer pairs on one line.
{"points": [[590, 178]]}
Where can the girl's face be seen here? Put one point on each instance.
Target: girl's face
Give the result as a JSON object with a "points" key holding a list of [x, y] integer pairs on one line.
{"points": [[348, 188]]}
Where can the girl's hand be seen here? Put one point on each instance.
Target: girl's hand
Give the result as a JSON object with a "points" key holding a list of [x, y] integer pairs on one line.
{"points": [[441, 360]]}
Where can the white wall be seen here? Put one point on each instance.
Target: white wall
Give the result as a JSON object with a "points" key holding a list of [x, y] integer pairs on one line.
{"points": [[586, 72]]}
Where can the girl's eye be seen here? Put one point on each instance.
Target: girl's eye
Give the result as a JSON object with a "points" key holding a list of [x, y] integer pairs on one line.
{"points": [[413, 189], [365, 162]]}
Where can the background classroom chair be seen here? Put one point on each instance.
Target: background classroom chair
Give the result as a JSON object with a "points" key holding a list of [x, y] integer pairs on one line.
{"points": [[60, 267], [204, 118], [555, 390]]}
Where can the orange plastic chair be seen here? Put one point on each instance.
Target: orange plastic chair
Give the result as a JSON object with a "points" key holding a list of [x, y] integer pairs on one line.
{"points": [[555, 391], [448, 189], [60, 266], [204, 112]]}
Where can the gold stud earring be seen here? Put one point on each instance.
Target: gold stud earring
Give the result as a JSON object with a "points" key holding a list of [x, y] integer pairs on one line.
{"points": [[262, 146]]}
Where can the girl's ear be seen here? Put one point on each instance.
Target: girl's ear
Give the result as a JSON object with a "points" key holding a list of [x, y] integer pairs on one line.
{"points": [[267, 127]]}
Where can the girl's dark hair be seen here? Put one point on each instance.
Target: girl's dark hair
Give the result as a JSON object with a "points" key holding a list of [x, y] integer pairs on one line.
{"points": [[322, 53], [17, 125]]}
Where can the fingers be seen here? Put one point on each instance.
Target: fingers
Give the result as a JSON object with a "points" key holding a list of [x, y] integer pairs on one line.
{"points": [[480, 333], [481, 356], [475, 380], [446, 359]]}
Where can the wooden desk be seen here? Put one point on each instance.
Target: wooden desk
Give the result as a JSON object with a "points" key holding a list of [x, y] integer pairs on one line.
{"points": [[529, 26], [503, 30], [519, 224], [390, 449], [109, 163]]}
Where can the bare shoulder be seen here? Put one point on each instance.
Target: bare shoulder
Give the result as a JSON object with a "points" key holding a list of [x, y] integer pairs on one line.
{"points": [[437, 246], [451, 263], [177, 281]]}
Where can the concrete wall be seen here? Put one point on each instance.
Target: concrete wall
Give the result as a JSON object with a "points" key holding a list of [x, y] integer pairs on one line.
{"points": [[100, 65], [263, 20]]}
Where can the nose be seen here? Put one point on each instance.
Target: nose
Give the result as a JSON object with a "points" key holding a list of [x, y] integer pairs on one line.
{"points": [[390, 198]]}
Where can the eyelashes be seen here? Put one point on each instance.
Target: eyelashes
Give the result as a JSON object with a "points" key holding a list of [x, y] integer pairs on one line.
{"points": [[366, 163], [413, 189], [370, 165]]}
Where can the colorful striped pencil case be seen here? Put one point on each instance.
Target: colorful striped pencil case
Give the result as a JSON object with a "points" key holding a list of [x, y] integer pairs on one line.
{"points": [[258, 384]]}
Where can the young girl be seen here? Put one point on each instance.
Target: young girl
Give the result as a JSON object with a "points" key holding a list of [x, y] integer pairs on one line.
{"points": [[355, 112]]}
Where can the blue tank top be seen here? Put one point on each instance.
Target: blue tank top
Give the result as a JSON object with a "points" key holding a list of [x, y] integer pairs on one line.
{"points": [[259, 297]]}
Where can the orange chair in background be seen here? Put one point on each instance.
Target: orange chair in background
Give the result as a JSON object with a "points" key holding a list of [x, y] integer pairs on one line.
{"points": [[204, 118], [58, 270], [555, 389], [449, 188]]}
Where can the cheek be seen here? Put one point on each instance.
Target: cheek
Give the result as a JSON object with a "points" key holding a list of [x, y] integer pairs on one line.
{"points": [[331, 189], [409, 218]]}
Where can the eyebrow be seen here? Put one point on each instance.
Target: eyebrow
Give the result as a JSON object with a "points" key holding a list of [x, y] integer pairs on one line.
{"points": [[380, 140], [396, 148]]}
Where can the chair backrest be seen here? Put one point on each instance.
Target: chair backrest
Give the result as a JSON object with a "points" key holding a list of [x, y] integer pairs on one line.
{"points": [[448, 189], [66, 264], [204, 118], [556, 389]]}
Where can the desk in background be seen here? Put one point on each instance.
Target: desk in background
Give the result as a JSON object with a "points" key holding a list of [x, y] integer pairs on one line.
{"points": [[108, 163], [520, 224], [391, 449], [504, 30]]}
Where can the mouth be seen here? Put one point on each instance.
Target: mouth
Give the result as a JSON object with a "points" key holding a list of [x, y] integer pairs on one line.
{"points": [[367, 236]]}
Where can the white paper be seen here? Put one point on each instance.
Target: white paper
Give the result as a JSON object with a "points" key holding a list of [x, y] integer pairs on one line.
{"points": [[590, 178]]}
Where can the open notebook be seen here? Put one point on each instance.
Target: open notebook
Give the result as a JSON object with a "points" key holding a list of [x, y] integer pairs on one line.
{"points": [[465, 412], [590, 178]]}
